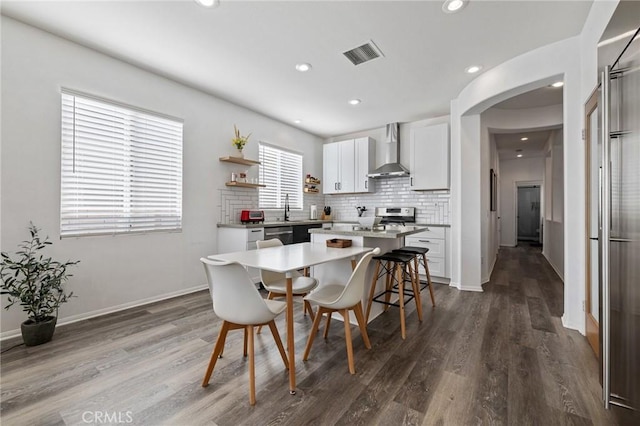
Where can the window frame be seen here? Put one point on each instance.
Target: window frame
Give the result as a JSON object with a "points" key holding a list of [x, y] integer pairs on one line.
{"points": [[296, 194], [143, 191]]}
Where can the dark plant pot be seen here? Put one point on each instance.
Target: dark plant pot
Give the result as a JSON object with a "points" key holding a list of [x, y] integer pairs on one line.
{"points": [[37, 333]]}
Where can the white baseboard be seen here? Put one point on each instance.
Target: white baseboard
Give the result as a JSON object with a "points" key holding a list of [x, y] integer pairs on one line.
{"points": [[80, 317], [467, 287], [570, 326]]}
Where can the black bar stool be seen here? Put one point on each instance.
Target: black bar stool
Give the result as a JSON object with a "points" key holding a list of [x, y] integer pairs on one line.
{"points": [[395, 267], [420, 257]]}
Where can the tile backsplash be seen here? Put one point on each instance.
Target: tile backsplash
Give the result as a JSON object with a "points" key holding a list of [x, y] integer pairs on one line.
{"points": [[431, 206]]}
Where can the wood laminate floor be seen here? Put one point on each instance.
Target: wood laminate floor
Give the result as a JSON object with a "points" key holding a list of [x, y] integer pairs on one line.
{"points": [[500, 357]]}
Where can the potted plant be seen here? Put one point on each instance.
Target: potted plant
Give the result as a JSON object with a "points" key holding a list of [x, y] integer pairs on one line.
{"points": [[239, 141], [36, 283]]}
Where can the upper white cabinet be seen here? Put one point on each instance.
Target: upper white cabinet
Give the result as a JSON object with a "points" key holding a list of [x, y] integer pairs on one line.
{"points": [[429, 162], [345, 165], [365, 162]]}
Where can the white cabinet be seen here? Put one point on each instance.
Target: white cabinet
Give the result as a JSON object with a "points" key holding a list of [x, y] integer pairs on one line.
{"points": [[429, 162], [365, 158], [345, 165], [240, 239], [436, 240]]}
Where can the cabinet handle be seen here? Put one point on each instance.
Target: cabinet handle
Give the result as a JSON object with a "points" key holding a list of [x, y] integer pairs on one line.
{"points": [[339, 185], [424, 241], [366, 184], [256, 230], [411, 184], [335, 186]]}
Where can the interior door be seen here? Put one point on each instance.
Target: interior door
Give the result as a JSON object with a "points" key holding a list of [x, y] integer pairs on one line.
{"points": [[592, 197], [529, 213]]}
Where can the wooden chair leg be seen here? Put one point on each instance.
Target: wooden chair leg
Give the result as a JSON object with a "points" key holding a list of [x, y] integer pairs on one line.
{"points": [[426, 270], [252, 367], [276, 337], [326, 326], [270, 296], [245, 342], [372, 290], [309, 309], [217, 350], [399, 274], [362, 325], [415, 285], [389, 285], [312, 333], [347, 337]]}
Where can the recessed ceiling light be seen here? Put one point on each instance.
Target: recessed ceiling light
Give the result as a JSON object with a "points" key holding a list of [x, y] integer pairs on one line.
{"points": [[453, 6], [558, 84], [519, 155], [208, 3], [304, 67], [473, 69], [524, 139], [354, 101], [297, 121]]}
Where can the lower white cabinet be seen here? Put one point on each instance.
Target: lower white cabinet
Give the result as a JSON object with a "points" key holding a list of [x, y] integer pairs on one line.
{"points": [[240, 239], [436, 239]]}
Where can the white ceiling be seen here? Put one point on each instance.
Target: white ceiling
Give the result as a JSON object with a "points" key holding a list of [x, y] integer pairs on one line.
{"points": [[246, 52], [508, 144]]}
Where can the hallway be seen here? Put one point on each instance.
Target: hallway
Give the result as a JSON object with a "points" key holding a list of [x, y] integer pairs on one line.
{"points": [[500, 357]]}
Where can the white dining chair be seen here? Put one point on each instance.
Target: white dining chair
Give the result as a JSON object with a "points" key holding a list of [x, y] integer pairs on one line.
{"points": [[335, 297], [239, 304], [275, 283]]}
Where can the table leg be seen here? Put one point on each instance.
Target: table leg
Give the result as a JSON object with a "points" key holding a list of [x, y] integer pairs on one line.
{"points": [[290, 339]]}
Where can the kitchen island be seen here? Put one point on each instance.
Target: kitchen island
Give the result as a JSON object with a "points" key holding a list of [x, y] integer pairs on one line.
{"points": [[392, 237]]}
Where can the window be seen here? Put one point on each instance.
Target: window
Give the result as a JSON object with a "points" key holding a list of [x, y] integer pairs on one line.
{"points": [[281, 172], [121, 169]]}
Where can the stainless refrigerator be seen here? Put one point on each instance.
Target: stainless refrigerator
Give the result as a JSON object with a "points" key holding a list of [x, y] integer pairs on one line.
{"points": [[620, 230]]}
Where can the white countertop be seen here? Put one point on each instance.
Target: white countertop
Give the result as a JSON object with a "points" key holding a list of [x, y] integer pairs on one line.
{"points": [[388, 232]]}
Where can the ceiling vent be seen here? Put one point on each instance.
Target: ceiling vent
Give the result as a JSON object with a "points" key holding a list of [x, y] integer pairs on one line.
{"points": [[364, 53]]}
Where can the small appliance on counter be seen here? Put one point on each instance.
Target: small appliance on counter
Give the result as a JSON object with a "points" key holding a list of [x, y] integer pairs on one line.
{"points": [[313, 212], [252, 216]]}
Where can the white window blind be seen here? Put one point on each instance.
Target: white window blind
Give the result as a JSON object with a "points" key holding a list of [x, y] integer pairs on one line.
{"points": [[281, 172], [121, 169]]}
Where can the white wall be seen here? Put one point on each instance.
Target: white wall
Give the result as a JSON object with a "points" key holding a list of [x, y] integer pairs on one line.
{"points": [[118, 271], [553, 229], [573, 59], [513, 171]]}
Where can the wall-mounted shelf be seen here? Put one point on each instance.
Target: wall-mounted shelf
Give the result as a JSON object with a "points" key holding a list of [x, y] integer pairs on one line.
{"points": [[238, 160], [245, 185], [311, 185]]}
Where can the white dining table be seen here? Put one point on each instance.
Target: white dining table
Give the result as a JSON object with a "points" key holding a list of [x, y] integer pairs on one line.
{"points": [[286, 259]]}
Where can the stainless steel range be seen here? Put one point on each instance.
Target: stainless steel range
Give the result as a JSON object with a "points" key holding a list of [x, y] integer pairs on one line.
{"points": [[396, 215], [391, 217]]}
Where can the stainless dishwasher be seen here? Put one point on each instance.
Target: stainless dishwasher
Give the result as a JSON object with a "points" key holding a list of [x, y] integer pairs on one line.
{"points": [[283, 233]]}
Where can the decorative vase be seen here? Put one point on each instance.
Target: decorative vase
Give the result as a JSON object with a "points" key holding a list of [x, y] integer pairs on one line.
{"points": [[37, 333], [240, 154]]}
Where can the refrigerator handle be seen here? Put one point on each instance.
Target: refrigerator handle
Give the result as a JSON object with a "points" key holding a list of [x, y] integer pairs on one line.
{"points": [[605, 230]]}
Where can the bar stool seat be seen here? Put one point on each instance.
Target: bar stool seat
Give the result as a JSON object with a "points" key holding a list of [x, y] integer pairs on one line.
{"points": [[420, 257], [395, 267]]}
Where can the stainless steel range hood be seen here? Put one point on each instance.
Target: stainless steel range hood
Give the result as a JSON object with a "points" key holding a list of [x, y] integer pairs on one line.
{"points": [[392, 166]]}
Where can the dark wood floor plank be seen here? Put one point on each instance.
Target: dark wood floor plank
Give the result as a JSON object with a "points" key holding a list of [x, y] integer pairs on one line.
{"points": [[539, 315]]}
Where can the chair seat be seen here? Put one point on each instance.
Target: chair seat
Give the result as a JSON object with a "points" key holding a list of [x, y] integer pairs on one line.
{"points": [[301, 285], [413, 250], [276, 306], [325, 295], [394, 257]]}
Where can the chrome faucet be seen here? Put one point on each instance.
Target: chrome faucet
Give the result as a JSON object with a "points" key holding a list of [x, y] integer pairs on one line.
{"points": [[286, 208]]}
